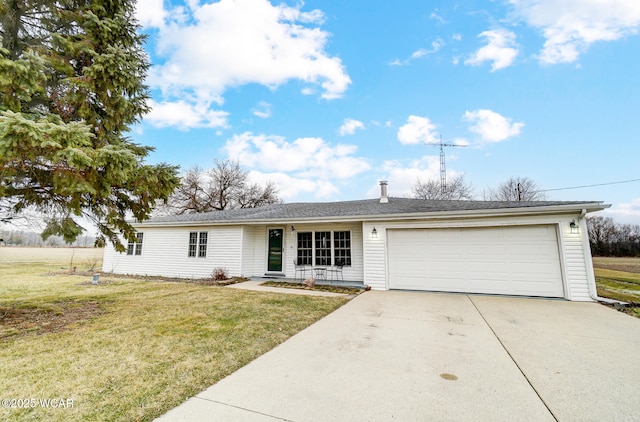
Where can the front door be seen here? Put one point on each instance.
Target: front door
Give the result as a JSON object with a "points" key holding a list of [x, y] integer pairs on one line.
{"points": [[274, 258]]}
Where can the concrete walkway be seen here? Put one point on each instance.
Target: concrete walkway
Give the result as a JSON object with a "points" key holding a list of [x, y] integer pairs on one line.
{"points": [[411, 356]]}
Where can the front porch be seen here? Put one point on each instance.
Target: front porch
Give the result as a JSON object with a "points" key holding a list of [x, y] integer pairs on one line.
{"points": [[335, 283]]}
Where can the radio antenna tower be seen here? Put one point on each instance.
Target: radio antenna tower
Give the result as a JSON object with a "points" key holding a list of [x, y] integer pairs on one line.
{"points": [[443, 166]]}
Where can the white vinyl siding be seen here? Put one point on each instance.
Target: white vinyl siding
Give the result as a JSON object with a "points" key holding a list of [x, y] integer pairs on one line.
{"points": [[166, 254], [374, 256], [242, 250], [254, 251], [577, 259]]}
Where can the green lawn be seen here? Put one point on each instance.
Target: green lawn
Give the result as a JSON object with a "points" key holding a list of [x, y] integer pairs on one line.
{"points": [[619, 278], [128, 349]]}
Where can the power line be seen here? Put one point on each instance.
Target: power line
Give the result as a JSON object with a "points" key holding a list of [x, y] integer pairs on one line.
{"points": [[591, 186]]}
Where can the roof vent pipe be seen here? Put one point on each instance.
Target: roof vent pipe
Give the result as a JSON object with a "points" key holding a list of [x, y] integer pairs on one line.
{"points": [[383, 192]]}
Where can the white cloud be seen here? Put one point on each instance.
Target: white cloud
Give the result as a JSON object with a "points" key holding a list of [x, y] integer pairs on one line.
{"points": [[436, 45], [460, 142], [435, 16], [403, 175], [308, 91], [305, 159], [492, 126], [202, 50], [571, 26], [151, 13], [184, 115], [625, 213], [419, 53], [262, 110], [416, 130], [501, 49], [350, 126], [387, 124], [291, 187]]}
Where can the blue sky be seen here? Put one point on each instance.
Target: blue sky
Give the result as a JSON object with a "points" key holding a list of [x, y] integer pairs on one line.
{"points": [[326, 98]]}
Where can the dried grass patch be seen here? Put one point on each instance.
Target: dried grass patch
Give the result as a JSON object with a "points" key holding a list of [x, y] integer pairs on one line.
{"points": [[130, 349]]}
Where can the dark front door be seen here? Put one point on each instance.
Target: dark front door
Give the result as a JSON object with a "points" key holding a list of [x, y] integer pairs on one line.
{"points": [[274, 259]]}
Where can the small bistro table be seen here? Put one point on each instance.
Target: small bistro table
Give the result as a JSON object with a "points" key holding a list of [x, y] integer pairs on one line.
{"points": [[320, 272]]}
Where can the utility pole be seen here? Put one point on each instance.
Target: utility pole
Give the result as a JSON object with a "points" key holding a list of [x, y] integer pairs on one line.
{"points": [[443, 166], [519, 191]]}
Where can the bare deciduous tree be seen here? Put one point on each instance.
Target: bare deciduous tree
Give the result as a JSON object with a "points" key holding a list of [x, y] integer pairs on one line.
{"points": [[515, 189], [602, 232], [225, 186], [456, 189]]}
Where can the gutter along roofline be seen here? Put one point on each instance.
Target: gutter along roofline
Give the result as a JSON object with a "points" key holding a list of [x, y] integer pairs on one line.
{"points": [[580, 208]]}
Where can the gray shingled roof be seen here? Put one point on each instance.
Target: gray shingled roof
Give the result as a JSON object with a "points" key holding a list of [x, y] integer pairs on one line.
{"points": [[361, 209]]}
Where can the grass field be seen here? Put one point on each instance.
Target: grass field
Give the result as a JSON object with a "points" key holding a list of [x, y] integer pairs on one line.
{"points": [[126, 349], [619, 278]]}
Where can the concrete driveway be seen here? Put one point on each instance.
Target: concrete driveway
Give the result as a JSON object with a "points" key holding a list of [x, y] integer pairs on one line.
{"points": [[414, 356]]}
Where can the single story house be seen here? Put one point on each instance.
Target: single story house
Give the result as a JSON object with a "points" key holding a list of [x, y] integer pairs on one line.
{"points": [[537, 248]]}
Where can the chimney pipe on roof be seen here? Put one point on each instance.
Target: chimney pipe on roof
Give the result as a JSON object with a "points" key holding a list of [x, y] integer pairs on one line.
{"points": [[383, 192]]}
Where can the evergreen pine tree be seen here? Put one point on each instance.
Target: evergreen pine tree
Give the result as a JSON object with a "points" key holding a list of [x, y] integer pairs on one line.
{"points": [[71, 84]]}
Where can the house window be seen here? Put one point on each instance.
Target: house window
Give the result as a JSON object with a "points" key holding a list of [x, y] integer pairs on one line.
{"points": [[198, 244], [193, 242], [135, 247], [202, 245], [305, 248], [323, 248], [342, 247]]}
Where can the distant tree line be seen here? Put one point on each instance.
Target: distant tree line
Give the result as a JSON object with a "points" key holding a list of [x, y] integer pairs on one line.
{"points": [[30, 238], [610, 239], [457, 188]]}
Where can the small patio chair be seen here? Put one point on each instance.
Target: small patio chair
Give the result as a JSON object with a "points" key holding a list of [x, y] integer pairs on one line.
{"points": [[302, 269], [337, 271]]}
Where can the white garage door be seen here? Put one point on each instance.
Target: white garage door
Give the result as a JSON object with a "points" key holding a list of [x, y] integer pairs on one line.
{"points": [[496, 260]]}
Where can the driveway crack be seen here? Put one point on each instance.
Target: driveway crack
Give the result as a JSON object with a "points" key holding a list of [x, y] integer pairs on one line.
{"points": [[242, 408], [511, 357]]}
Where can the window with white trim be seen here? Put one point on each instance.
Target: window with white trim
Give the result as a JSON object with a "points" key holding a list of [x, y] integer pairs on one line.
{"points": [[342, 247], [324, 248], [135, 248], [198, 244], [305, 248], [202, 245]]}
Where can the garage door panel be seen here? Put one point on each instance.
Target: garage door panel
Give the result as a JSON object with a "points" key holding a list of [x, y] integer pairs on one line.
{"points": [[498, 260]]}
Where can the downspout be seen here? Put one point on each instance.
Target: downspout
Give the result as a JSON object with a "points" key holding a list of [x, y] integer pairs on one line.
{"points": [[593, 293]]}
